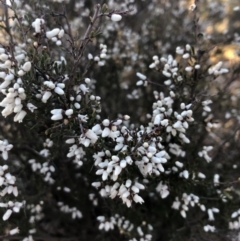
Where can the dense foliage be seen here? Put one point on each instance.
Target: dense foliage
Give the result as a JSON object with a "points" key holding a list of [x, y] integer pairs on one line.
{"points": [[119, 120]]}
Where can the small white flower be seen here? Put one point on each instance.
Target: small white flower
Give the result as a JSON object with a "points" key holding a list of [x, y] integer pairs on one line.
{"points": [[188, 47], [139, 83], [138, 199], [188, 68], [84, 89], [152, 65], [7, 215], [57, 114], [106, 122], [87, 81], [83, 118], [14, 231], [163, 190], [106, 132], [19, 116], [201, 175], [46, 96], [59, 91], [27, 66], [202, 207], [92, 136], [185, 174], [116, 17], [52, 33], [186, 56], [31, 107], [37, 24], [69, 112], [4, 57], [61, 33], [167, 74], [179, 164], [126, 117], [183, 213], [141, 76], [179, 50], [21, 72], [210, 214], [192, 7]]}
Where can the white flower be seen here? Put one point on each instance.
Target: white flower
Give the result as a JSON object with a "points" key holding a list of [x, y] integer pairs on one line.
{"points": [[4, 57], [216, 179], [183, 213], [139, 83], [106, 122], [117, 171], [27, 66], [53, 33], [202, 207], [186, 56], [57, 114], [84, 89], [179, 164], [69, 112], [210, 214], [83, 118], [176, 204], [31, 107], [201, 175], [179, 50], [141, 76], [116, 17], [19, 116], [106, 132], [188, 68], [14, 231], [188, 47], [92, 136], [59, 91], [9, 77], [46, 96], [163, 190], [152, 65], [87, 81], [126, 117], [37, 24], [7, 215], [138, 199], [21, 72], [167, 74], [61, 33], [208, 228], [185, 174]]}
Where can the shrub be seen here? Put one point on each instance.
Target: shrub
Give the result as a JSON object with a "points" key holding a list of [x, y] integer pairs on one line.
{"points": [[120, 121]]}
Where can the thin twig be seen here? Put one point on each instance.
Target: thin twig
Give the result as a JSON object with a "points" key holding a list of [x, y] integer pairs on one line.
{"points": [[87, 33]]}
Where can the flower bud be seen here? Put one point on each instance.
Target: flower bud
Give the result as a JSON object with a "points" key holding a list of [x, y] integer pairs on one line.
{"points": [[27, 66], [116, 17], [59, 91], [7, 215], [53, 33]]}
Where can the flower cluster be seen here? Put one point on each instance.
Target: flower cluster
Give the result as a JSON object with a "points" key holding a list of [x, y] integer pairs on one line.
{"points": [[55, 35], [125, 226], [75, 213]]}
